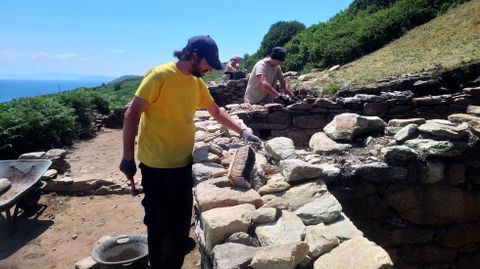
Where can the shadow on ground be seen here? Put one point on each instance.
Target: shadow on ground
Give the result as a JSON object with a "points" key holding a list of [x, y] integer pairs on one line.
{"points": [[16, 234]]}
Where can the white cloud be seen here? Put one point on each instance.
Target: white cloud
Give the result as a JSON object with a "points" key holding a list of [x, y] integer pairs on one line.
{"points": [[15, 55]]}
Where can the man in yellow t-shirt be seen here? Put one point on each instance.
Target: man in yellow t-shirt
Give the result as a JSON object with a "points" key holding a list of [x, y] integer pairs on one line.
{"points": [[165, 104]]}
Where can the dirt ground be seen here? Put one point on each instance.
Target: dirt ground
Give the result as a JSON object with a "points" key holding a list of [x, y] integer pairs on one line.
{"points": [[65, 229]]}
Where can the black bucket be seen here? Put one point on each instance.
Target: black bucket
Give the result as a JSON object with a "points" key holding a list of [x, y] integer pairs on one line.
{"points": [[239, 74], [122, 252]]}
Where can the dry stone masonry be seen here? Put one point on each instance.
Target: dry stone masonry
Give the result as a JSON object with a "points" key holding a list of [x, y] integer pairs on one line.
{"points": [[231, 92], [288, 219], [398, 159]]}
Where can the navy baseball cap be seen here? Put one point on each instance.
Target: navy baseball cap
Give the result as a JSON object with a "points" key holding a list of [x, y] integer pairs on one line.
{"points": [[206, 47], [278, 53]]}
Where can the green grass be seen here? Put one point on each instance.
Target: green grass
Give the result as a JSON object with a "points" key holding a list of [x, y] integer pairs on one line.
{"points": [[448, 41], [331, 87], [215, 76]]}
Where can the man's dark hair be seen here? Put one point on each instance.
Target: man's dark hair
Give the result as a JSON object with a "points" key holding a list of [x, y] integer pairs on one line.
{"points": [[184, 55]]}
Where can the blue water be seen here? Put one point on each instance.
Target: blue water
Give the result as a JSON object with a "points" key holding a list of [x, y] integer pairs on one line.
{"points": [[13, 89]]}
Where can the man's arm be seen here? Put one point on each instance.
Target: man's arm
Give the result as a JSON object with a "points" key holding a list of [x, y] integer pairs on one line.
{"points": [[223, 118], [267, 87], [284, 85], [130, 126]]}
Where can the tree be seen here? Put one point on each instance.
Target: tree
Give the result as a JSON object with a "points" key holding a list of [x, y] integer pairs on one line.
{"points": [[278, 35]]}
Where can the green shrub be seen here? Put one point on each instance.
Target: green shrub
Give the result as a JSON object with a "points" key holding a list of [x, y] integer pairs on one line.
{"points": [[119, 98], [308, 68], [43, 122], [331, 88], [84, 103], [33, 123]]}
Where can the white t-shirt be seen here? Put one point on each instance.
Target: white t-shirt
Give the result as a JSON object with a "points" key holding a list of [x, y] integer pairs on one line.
{"points": [[255, 93]]}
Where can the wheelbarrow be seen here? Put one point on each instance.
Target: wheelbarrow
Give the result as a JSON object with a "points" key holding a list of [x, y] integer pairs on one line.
{"points": [[25, 191]]}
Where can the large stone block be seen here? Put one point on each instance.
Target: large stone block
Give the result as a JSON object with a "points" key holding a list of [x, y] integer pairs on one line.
{"points": [[289, 228], [429, 147], [323, 209], [319, 240], [358, 253], [280, 257], [322, 144], [232, 256], [302, 194], [280, 148], [209, 196], [435, 205], [347, 126], [220, 223]]}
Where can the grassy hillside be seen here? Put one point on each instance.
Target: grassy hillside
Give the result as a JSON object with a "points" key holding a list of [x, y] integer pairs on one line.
{"points": [[125, 78], [364, 27], [445, 42]]}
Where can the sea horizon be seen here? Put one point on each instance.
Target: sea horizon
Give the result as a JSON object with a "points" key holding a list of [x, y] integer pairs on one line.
{"points": [[17, 88]]}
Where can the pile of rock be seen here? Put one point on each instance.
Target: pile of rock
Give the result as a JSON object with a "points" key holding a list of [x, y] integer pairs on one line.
{"points": [[288, 219], [57, 156], [58, 179]]}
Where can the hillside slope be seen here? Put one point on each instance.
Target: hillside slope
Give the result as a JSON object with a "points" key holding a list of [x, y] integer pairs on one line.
{"points": [[364, 27], [445, 42]]}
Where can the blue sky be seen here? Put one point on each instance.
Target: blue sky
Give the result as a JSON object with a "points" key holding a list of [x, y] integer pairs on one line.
{"points": [[117, 37]]}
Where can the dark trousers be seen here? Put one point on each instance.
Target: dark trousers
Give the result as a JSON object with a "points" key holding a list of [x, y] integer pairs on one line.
{"points": [[168, 212]]}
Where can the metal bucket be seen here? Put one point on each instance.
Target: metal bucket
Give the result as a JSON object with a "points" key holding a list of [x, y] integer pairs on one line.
{"points": [[122, 252]]}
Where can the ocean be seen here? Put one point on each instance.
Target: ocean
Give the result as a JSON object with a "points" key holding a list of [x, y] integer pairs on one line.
{"points": [[13, 88]]}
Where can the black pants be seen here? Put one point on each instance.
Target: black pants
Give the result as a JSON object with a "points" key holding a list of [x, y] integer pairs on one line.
{"points": [[168, 212]]}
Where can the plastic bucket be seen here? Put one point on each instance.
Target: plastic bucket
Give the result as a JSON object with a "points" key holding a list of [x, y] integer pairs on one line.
{"points": [[122, 252]]}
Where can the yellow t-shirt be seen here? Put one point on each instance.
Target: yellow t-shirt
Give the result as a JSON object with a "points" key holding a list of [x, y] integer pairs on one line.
{"points": [[166, 131]]}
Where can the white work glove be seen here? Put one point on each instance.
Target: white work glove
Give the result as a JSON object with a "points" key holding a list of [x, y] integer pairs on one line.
{"points": [[248, 137]]}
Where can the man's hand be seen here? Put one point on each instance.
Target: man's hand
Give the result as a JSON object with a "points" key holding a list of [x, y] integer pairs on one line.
{"points": [[285, 100], [249, 137], [128, 167]]}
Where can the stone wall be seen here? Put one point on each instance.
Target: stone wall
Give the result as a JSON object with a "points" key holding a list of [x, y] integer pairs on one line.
{"points": [[302, 119], [412, 185], [279, 215], [423, 95], [417, 196], [231, 92]]}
